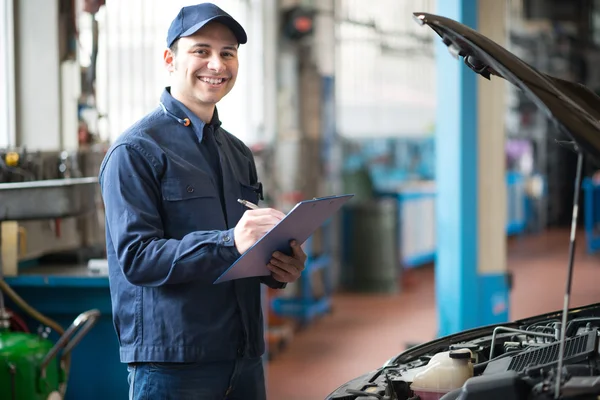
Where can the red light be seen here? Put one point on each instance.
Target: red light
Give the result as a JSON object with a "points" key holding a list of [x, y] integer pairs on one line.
{"points": [[303, 24]]}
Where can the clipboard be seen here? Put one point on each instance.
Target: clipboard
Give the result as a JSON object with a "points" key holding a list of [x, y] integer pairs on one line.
{"points": [[299, 224]]}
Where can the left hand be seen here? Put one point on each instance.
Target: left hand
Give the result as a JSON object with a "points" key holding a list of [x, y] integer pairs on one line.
{"points": [[288, 268]]}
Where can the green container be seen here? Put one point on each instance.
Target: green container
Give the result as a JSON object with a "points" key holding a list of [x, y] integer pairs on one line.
{"points": [[20, 375], [371, 247]]}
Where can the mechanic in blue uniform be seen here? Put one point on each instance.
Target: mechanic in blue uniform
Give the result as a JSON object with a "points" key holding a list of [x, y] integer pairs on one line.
{"points": [[170, 185]]}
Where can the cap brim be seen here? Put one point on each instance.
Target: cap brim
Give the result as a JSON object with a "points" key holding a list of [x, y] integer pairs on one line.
{"points": [[236, 28]]}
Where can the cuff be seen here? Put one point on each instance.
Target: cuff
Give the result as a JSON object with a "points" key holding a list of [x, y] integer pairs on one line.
{"points": [[227, 247], [272, 282]]}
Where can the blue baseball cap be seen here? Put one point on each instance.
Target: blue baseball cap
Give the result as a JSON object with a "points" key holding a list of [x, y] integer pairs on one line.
{"points": [[191, 18]]}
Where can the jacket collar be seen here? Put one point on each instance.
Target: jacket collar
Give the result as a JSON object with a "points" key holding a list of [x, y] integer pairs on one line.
{"points": [[179, 112]]}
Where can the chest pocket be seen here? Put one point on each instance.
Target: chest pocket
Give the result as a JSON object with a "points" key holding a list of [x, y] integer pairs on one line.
{"points": [[252, 193], [190, 203], [187, 188]]}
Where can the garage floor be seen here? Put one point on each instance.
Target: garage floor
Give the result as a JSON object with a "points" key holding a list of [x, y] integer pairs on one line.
{"points": [[366, 330]]}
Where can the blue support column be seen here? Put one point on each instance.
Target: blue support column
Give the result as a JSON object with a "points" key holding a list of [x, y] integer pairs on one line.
{"points": [[456, 179]]}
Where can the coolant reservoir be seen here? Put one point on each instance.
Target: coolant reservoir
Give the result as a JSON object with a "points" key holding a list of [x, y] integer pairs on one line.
{"points": [[445, 372]]}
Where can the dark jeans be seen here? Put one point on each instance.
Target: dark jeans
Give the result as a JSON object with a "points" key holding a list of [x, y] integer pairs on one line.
{"points": [[231, 380]]}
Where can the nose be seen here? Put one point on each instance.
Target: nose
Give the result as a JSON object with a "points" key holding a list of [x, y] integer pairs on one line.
{"points": [[216, 64]]}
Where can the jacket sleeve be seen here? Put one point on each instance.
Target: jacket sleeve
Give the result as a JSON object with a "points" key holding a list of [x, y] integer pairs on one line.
{"points": [[272, 282], [131, 192]]}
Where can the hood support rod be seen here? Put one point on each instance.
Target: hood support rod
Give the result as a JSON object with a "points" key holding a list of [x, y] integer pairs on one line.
{"points": [[563, 328]]}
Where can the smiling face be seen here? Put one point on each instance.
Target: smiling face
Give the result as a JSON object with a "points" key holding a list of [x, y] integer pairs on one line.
{"points": [[203, 68]]}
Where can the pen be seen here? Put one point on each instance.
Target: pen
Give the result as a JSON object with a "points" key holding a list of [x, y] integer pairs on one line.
{"points": [[248, 204]]}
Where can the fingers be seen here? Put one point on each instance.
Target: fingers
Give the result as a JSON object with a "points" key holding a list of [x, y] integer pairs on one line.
{"points": [[291, 267], [253, 225], [280, 275], [265, 220], [297, 259], [283, 272], [282, 278], [265, 211], [288, 268], [258, 227], [280, 259], [260, 217], [298, 252]]}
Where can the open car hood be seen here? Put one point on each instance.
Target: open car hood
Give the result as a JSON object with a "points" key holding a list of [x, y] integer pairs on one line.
{"points": [[572, 107]]}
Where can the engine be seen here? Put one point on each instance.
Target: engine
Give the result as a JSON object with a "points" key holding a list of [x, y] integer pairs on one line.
{"points": [[517, 362]]}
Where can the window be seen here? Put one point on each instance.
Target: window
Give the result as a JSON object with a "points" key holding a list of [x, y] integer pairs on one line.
{"points": [[385, 70], [7, 76]]}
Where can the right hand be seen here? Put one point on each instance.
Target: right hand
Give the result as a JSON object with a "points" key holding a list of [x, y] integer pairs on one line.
{"points": [[253, 225]]}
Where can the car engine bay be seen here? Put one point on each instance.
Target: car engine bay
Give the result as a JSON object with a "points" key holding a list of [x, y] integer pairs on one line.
{"points": [[513, 362]]}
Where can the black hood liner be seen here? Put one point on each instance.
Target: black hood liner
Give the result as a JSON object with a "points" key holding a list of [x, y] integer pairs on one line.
{"points": [[571, 106]]}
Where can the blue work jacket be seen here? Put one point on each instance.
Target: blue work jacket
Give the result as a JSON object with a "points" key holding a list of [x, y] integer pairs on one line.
{"points": [[170, 234]]}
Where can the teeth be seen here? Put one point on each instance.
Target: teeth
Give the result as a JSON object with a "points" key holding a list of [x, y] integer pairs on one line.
{"points": [[212, 80]]}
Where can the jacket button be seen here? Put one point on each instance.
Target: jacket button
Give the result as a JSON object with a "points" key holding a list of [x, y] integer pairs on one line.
{"points": [[227, 238], [189, 189], [241, 351]]}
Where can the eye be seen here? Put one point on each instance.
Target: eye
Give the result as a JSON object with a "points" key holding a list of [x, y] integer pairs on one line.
{"points": [[227, 54]]}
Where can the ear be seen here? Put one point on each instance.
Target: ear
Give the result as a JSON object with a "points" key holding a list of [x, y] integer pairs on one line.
{"points": [[169, 59]]}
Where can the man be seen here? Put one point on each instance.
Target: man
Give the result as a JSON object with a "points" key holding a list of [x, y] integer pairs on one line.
{"points": [[170, 185]]}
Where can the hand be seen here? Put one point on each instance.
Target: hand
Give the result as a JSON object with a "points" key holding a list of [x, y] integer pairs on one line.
{"points": [[253, 225], [288, 268]]}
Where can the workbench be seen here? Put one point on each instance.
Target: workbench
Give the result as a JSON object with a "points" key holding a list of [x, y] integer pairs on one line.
{"points": [[62, 292]]}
